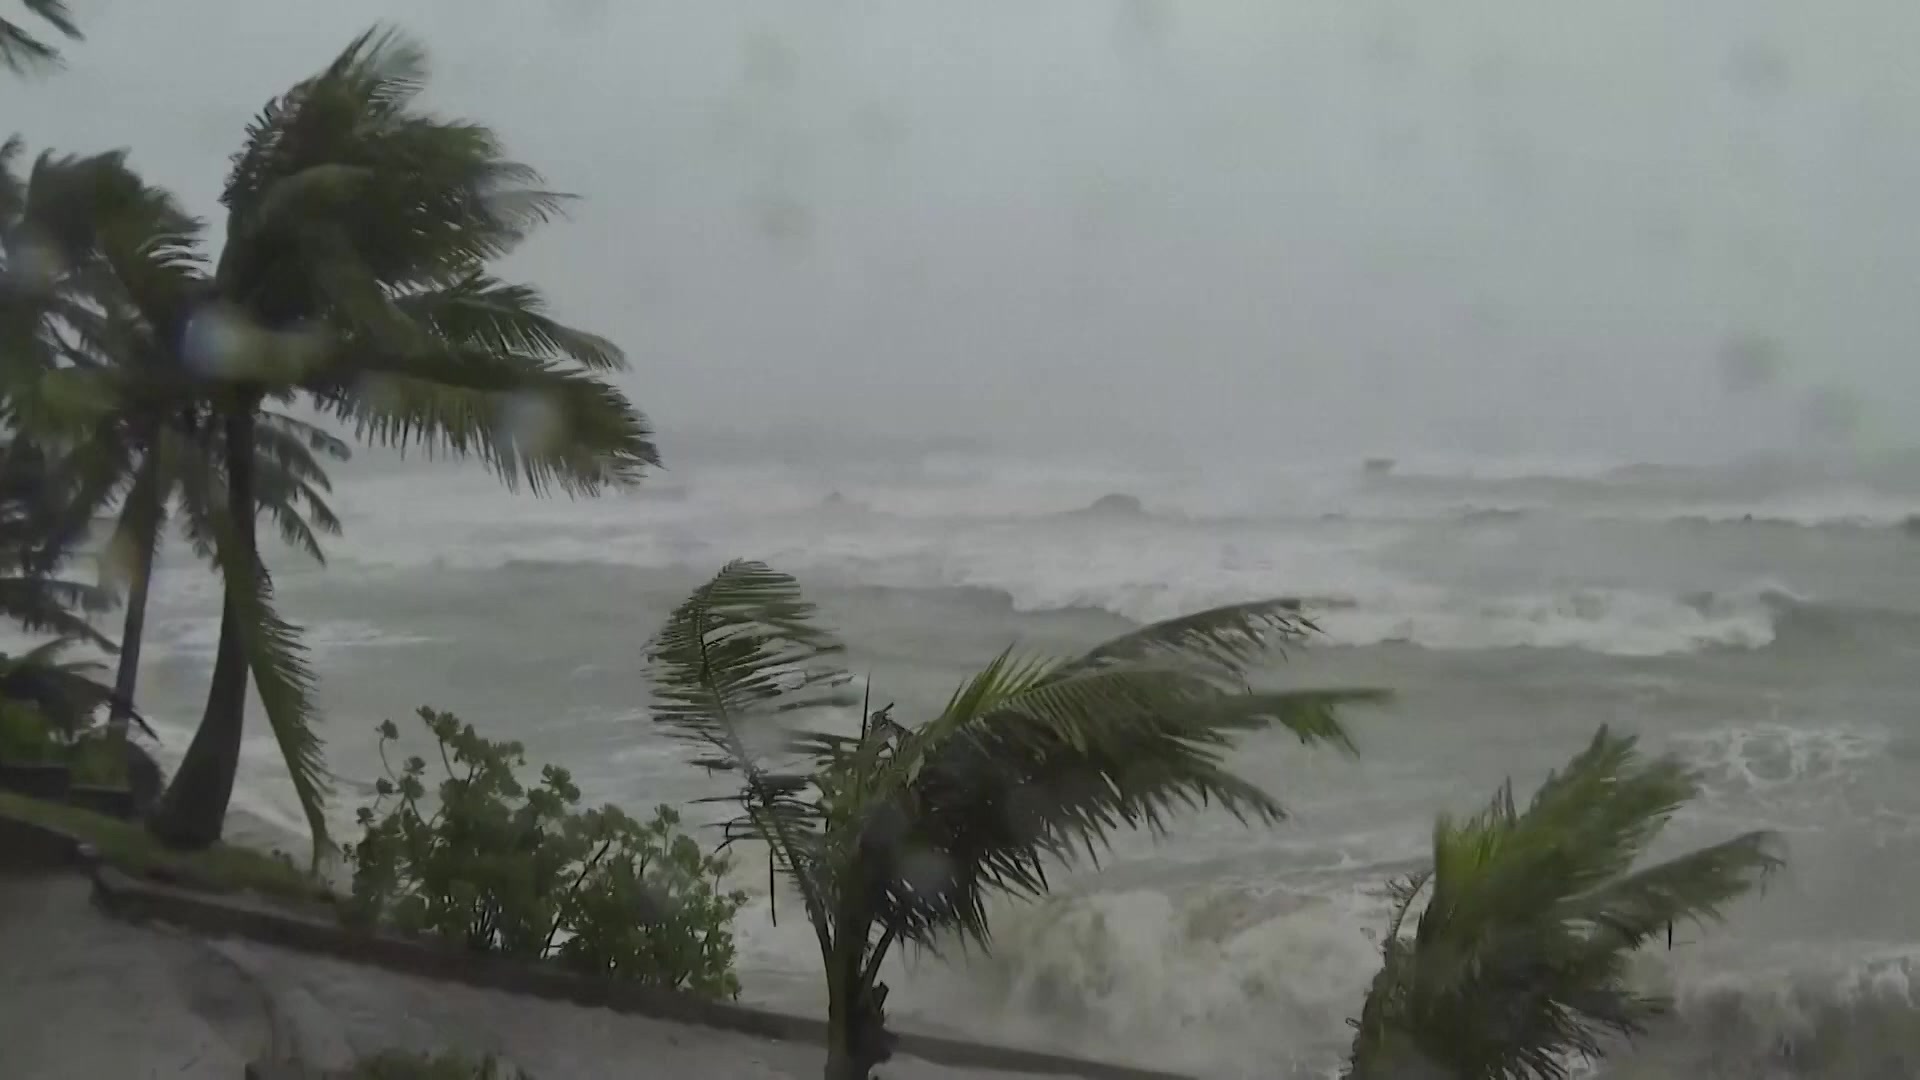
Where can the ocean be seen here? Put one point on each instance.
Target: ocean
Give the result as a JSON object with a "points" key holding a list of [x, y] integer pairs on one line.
{"points": [[1760, 619]]}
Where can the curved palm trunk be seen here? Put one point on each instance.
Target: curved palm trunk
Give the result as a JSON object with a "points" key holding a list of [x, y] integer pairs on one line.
{"points": [[127, 677], [194, 810]]}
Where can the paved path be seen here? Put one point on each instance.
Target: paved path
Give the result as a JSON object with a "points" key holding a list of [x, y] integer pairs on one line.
{"points": [[84, 996]]}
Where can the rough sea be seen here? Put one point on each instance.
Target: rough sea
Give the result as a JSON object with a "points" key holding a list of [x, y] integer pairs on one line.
{"points": [[1761, 620]]}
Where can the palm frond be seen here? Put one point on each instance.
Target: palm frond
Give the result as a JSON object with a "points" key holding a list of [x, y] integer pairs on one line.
{"points": [[1225, 638], [741, 650], [1518, 962], [67, 693], [734, 658], [506, 319], [285, 683], [523, 419], [1036, 760], [21, 51]]}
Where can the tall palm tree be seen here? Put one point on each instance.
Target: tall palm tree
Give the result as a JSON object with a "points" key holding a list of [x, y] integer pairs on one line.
{"points": [[359, 228], [21, 51], [72, 225], [1518, 963], [903, 834]]}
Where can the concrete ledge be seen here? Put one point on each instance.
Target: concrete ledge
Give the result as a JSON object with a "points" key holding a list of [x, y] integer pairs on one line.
{"points": [[221, 916], [26, 848]]}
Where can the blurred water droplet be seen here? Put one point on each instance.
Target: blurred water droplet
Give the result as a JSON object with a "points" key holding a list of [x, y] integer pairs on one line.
{"points": [[532, 422], [119, 561], [783, 220], [767, 60], [879, 127], [32, 265], [1749, 362], [1831, 413], [216, 342], [926, 871], [1759, 69]]}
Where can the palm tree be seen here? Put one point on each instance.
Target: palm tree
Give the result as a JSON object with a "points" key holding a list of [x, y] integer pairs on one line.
{"points": [[67, 693], [1518, 962], [134, 425], [21, 51], [354, 275], [32, 547], [901, 834]]}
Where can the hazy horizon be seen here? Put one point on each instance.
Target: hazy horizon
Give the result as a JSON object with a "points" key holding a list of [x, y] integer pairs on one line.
{"points": [[1645, 232]]}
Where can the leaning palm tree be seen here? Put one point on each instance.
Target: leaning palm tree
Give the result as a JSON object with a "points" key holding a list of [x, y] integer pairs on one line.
{"points": [[1518, 964], [904, 834], [354, 276], [21, 50]]}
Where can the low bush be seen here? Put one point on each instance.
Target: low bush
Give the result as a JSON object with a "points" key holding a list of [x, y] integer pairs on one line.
{"points": [[504, 868]]}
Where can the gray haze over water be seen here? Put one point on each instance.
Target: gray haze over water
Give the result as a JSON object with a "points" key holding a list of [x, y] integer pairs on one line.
{"points": [[1622, 289], [1278, 229]]}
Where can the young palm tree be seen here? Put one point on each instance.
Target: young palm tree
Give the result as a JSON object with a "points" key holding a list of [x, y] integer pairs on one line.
{"points": [[32, 548], [67, 693], [904, 834], [21, 51], [1518, 963], [358, 232]]}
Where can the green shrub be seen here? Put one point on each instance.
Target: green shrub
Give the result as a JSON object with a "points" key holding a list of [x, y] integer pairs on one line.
{"points": [[503, 868], [25, 735], [395, 1065]]}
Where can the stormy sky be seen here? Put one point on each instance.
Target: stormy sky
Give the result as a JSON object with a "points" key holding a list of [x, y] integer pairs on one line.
{"points": [[1645, 229]]}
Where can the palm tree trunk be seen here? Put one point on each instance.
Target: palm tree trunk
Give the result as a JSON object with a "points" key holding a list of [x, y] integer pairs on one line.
{"points": [[194, 810], [134, 628], [857, 1036]]}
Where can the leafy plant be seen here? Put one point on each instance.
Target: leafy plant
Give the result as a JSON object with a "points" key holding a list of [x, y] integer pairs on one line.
{"points": [[504, 868], [1518, 963], [903, 834]]}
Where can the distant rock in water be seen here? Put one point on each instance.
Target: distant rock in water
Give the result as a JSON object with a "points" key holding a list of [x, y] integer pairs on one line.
{"points": [[1911, 525], [1116, 505], [1377, 466]]}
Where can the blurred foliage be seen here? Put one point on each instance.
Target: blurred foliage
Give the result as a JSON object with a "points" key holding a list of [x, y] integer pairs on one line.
{"points": [[1517, 966]]}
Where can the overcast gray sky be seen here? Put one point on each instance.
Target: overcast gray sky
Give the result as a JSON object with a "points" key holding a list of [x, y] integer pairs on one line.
{"points": [[1271, 226]]}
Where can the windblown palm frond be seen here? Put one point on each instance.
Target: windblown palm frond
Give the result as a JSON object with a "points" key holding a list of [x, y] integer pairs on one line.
{"points": [[524, 419], [732, 659], [1037, 760], [21, 50], [1518, 962], [67, 693]]}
